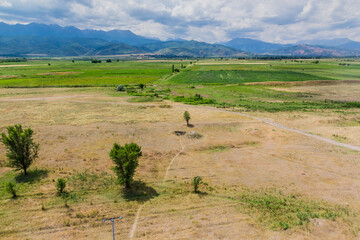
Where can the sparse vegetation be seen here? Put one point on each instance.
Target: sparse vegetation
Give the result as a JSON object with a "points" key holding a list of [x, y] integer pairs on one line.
{"points": [[196, 183], [12, 189], [60, 186], [281, 212], [22, 150]]}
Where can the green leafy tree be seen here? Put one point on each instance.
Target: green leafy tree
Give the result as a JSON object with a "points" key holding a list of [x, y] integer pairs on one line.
{"points": [[126, 161], [21, 148], [187, 117]]}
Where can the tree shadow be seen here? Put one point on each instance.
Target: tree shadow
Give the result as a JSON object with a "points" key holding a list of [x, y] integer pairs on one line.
{"points": [[139, 192], [190, 125], [32, 175]]}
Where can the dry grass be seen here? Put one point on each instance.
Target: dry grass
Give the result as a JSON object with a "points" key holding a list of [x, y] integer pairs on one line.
{"points": [[77, 133]]}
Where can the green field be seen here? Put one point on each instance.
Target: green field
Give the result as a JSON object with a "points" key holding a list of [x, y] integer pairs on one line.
{"points": [[219, 82], [240, 76], [82, 73]]}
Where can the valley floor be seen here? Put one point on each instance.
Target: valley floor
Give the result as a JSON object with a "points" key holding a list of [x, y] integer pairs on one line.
{"points": [[239, 157]]}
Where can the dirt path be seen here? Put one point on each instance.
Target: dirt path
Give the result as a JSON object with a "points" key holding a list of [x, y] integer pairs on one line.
{"points": [[133, 228], [39, 98], [278, 125], [172, 160]]}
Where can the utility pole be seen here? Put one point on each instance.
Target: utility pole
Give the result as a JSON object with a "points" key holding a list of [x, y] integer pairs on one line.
{"points": [[112, 221]]}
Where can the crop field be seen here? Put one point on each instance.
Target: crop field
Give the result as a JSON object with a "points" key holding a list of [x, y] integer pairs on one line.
{"points": [[277, 148], [81, 73]]}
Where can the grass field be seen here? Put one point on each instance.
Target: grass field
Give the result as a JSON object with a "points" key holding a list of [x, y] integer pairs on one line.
{"points": [[82, 73], [261, 181]]}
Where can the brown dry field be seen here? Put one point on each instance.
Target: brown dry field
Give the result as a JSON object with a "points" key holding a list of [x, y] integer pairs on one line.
{"points": [[76, 129]]}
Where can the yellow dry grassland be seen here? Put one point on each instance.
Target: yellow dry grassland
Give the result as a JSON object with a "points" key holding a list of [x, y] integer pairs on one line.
{"points": [[251, 170]]}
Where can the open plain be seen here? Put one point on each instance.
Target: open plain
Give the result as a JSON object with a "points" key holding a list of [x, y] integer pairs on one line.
{"points": [[263, 181]]}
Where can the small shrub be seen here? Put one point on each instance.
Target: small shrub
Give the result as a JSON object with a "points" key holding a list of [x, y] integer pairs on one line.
{"points": [[60, 186], [120, 88], [187, 117], [196, 182], [12, 189]]}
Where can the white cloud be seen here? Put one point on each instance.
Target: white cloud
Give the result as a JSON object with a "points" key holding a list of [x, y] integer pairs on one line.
{"points": [[4, 3], [206, 20]]}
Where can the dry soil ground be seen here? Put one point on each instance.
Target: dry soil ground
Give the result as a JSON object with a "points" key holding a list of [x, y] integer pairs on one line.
{"points": [[76, 129]]}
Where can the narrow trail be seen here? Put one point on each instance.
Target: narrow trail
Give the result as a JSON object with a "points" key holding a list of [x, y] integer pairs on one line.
{"points": [[39, 98], [172, 161], [134, 226]]}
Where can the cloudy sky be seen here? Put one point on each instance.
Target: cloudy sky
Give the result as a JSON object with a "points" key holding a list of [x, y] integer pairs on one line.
{"points": [[283, 21]]}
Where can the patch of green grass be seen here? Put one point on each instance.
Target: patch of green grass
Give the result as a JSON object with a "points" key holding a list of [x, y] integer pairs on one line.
{"points": [[339, 138], [279, 211], [194, 100], [218, 148], [142, 99], [259, 98], [240, 76]]}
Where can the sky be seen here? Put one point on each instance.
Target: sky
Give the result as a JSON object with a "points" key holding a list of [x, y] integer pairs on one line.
{"points": [[281, 21]]}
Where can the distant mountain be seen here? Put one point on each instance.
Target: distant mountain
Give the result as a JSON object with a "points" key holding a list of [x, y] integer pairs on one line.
{"points": [[54, 40], [314, 51], [51, 46], [192, 48], [253, 46], [56, 31], [335, 42]]}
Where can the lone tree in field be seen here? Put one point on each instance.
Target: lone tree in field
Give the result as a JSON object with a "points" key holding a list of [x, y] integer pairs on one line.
{"points": [[126, 161], [187, 117], [21, 148]]}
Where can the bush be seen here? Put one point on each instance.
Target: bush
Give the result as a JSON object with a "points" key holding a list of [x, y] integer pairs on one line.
{"points": [[22, 150], [187, 117], [60, 186], [196, 182], [12, 189], [120, 88]]}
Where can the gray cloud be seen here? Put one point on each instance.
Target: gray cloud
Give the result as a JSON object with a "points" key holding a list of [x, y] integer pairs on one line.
{"points": [[210, 20]]}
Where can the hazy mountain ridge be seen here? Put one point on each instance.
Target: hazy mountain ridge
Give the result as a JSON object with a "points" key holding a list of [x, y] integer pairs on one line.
{"points": [[54, 40]]}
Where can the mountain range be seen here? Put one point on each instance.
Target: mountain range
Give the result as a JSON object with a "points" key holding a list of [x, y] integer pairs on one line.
{"points": [[54, 40]]}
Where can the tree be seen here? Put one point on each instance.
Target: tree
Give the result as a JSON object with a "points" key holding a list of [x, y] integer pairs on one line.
{"points": [[126, 161], [173, 68], [141, 85], [187, 117], [21, 148]]}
